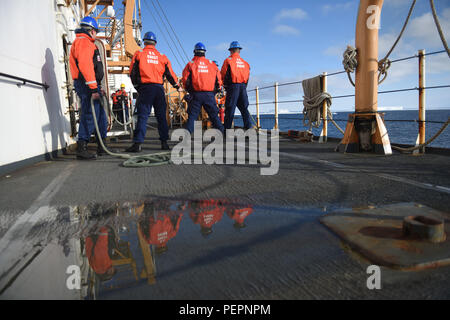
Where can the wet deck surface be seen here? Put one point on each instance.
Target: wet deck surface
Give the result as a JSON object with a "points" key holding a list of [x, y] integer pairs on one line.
{"points": [[282, 253]]}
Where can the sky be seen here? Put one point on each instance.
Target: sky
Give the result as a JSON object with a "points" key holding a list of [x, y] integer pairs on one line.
{"points": [[286, 41]]}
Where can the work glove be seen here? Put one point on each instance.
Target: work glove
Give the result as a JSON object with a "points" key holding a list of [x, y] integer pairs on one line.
{"points": [[96, 96]]}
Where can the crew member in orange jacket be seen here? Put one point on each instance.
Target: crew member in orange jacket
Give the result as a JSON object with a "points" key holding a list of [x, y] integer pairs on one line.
{"points": [[116, 107], [201, 79], [87, 72], [206, 213], [147, 71], [235, 74], [158, 227], [99, 247], [114, 98], [122, 97]]}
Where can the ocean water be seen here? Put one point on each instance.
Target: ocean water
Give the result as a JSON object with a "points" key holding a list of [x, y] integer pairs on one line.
{"points": [[399, 131]]}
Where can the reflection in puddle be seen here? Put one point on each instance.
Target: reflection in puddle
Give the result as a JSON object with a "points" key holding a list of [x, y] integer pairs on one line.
{"points": [[108, 247], [121, 250]]}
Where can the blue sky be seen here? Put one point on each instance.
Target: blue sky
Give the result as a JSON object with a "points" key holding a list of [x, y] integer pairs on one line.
{"points": [[287, 41]]}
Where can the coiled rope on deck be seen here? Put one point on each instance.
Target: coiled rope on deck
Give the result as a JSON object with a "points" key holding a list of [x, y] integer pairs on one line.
{"points": [[147, 160]]}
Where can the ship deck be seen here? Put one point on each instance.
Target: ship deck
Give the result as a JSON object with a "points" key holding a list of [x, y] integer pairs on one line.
{"points": [[283, 253]]}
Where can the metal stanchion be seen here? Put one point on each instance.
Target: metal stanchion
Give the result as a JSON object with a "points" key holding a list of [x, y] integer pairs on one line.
{"points": [[258, 123], [276, 106], [422, 101], [324, 134]]}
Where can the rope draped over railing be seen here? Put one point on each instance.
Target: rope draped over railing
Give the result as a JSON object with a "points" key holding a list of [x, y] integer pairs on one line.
{"points": [[384, 64], [352, 95], [421, 87], [338, 73]]}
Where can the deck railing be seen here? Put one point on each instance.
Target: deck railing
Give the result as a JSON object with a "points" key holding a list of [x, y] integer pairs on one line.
{"points": [[24, 81], [421, 91]]}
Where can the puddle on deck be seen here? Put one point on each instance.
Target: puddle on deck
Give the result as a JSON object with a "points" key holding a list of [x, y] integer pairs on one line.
{"points": [[158, 249]]}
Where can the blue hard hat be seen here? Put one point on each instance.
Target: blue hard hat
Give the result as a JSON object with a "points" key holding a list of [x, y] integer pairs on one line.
{"points": [[89, 22], [199, 47], [149, 36], [234, 45]]}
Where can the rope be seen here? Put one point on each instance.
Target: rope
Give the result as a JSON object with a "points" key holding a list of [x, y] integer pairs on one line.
{"points": [[147, 160], [330, 116], [165, 38], [438, 26], [312, 106], [170, 25], [426, 142], [350, 62], [384, 64], [168, 33], [255, 124], [130, 120]]}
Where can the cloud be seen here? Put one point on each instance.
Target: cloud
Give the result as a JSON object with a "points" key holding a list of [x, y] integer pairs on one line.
{"points": [[438, 64], [336, 51], [295, 14], [223, 46], [285, 30], [337, 7], [423, 29], [287, 92]]}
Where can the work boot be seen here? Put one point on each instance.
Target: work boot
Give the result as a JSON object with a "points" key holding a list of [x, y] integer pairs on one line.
{"points": [[136, 147], [83, 153], [164, 145]]}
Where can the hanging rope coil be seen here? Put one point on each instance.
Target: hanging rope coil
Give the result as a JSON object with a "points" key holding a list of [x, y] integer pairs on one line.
{"points": [[313, 101], [350, 62], [312, 111], [383, 66]]}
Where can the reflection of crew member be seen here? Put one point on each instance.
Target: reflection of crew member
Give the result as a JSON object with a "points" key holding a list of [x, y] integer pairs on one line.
{"points": [[206, 213], [100, 246], [158, 225], [239, 215]]}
